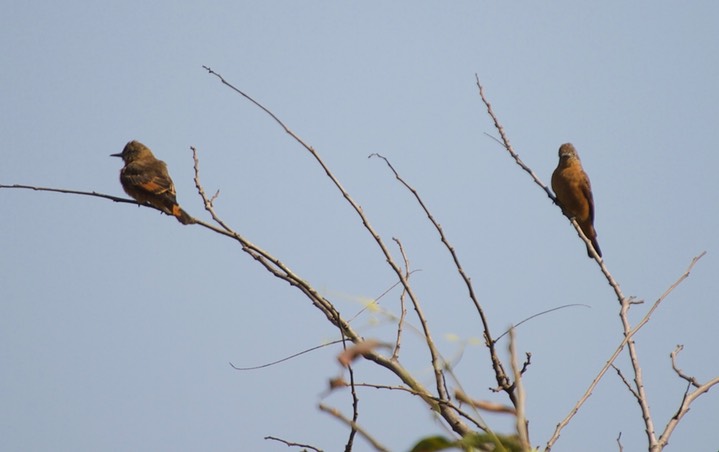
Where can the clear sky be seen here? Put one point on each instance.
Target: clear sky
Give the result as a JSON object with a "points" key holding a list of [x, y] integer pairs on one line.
{"points": [[117, 324]]}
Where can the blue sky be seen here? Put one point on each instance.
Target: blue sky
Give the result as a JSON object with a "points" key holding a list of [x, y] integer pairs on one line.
{"points": [[117, 324]]}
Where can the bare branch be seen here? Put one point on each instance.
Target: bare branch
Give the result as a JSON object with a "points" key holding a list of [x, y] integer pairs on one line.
{"points": [[355, 410], [540, 314], [403, 308], [500, 374], [450, 416], [673, 355], [505, 143], [626, 383], [485, 405], [687, 399], [291, 444], [75, 192], [436, 360], [262, 366], [352, 424], [456, 424], [627, 338], [521, 419]]}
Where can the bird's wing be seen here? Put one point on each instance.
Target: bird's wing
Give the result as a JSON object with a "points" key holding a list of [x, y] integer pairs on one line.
{"points": [[152, 179], [587, 191]]}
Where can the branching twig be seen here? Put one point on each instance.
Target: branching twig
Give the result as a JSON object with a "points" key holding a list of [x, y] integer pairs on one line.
{"points": [[500, 374], [352, 424], [452, 419], [627, 339], [355, 410], [673, 355], [485, 405], [287, 358], [291, 444], [624, 380], [505, 143], [75, 192], [540, 314], [437, 362], [687, 400], [521, 419], [624, 302], [403, 309]]}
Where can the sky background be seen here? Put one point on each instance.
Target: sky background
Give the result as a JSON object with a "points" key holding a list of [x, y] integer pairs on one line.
{"points": [[118, 324]]}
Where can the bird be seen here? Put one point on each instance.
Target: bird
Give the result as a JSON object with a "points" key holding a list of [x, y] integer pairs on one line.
{"points": [[574, 193], [146, 180]]}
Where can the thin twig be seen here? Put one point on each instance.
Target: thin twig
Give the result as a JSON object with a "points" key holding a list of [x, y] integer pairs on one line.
{"points": [[505, 143], [287, 358], [78, 192], [627, 338], [686, 402], [355, 410], [673, 355], [492, 407], [377, 299], [352, 424], [291, 444], [538, 315], [403, 308], [500, 374], [624, 380], [521, 419], [436, 360], [452, 419]]}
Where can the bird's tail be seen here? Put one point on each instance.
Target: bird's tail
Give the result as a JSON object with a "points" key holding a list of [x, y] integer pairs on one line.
{"points": [[595, 244], [182, 216]]}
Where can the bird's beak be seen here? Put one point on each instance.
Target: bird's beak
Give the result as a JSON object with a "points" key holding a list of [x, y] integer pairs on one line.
{"points": [[116, 155]]}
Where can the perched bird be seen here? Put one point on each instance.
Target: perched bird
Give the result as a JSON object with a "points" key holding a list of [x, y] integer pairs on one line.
{"points": [[146, 180], [574, 193]]}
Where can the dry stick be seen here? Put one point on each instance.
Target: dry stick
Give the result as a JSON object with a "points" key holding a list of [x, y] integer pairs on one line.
{"points": [[627, 338], [403, 309], [376, 300], [687, 400], [76, 192], [500, 374], [274, 265], [291, 444], [673, 356], [265, 258], [435, 399], [338, 341], [336, 413], [547, 311], [438, 363], [624, 380], [456, 424], [287, 358], [507, 146], [355, 409], [521, 419]]}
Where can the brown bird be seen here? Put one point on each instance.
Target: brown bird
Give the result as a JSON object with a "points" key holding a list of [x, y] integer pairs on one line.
{"points": [[574, 193], [146, 180]]}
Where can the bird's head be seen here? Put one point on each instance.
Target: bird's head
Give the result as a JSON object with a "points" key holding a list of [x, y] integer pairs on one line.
{"points": [[133, 150], [567, 151]]}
